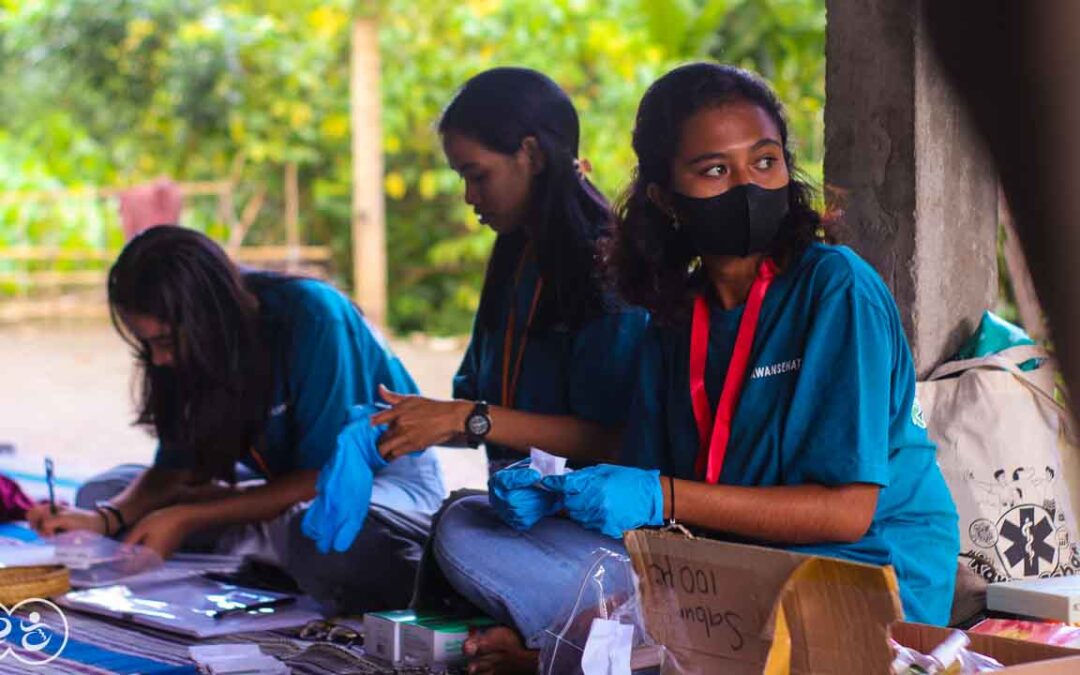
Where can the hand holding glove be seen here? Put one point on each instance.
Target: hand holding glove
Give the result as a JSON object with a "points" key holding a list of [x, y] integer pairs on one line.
{"points": [[338, 512], [518, 498], [610, 498]]}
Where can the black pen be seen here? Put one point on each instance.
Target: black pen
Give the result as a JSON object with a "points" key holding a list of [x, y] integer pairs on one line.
{"points": [[266, 604], [50, 480]]}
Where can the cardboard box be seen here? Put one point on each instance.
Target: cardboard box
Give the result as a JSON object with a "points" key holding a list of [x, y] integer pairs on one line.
{"points": [[1045, 632], [1018, 656], [382, 632], [437, 641], [731, 608], [1054, 598]]}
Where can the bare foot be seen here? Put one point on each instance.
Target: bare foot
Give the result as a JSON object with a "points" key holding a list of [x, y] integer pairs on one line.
{"points": [[500, 651]]}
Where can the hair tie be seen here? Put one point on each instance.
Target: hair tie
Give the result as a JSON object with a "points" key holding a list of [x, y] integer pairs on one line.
{"points": [[582, 166]]}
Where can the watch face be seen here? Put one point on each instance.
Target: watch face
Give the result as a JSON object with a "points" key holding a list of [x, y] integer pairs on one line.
{"points": [[479, 425]]}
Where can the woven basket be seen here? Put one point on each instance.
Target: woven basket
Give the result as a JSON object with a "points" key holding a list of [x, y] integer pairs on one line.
{"points": [[37, 581]]}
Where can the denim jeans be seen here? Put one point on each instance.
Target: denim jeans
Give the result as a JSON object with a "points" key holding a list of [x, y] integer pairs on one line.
{"points": [[527, 580]]}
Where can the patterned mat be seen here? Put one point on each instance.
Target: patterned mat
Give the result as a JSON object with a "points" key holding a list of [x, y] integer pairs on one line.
{"points": [[101, 646]]}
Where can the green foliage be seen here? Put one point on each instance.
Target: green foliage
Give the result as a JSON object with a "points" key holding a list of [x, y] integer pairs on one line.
{"points": [[103, 92], [784, 41]]}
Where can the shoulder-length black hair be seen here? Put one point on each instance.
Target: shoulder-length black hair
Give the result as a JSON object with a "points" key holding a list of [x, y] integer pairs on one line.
{"points": [[650, 259], [500, 108], [211, 403]]}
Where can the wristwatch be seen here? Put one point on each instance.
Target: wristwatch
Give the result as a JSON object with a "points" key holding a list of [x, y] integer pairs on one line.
{"points": [[477, 424]]}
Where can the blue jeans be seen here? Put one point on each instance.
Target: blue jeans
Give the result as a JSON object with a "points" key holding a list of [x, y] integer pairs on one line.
{"points": [[527, 580]]}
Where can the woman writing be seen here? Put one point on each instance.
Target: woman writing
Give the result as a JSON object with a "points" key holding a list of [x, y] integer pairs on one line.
{"points": [[259, 372]]}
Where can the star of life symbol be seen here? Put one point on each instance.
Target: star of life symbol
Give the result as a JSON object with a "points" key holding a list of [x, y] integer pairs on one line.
{"points": [[34, 632], [1027, 543]]}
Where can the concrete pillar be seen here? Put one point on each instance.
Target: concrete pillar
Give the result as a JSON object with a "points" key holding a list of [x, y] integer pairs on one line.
{"points": [[918, 193]]}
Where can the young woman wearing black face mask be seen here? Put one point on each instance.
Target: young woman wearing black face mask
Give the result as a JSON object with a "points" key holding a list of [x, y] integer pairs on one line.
{"points": [[776, 395], [777, 391]]}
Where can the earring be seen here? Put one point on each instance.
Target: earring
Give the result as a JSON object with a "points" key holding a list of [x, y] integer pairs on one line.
{"points": [[674, 221]]}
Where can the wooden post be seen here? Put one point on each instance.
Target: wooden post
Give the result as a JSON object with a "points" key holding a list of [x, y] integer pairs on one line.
{"points": [[227, 208], [292, 216], [368, 206]]}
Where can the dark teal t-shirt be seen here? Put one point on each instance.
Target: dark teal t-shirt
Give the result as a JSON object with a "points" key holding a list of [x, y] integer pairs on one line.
{"points": [[588, 372], [829, 399], [327, 359]]}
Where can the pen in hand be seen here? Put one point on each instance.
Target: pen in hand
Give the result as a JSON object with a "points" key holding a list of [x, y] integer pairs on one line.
{"points": [[276, 602], [50, 480]]}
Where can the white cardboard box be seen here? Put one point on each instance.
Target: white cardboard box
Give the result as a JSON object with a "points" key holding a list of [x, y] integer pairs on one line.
{"points": [[1054, 598]]}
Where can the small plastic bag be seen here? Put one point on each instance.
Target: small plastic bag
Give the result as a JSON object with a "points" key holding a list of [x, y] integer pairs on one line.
{"points": [[608, 595], [911, 662], [95, 560]]}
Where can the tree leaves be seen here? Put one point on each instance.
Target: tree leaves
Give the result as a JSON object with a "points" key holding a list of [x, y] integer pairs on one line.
{"points": [[110, 91]]}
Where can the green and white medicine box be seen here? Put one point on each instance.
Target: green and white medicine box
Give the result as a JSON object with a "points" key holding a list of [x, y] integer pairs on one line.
{"points": [[437, 642], [382, 632]]}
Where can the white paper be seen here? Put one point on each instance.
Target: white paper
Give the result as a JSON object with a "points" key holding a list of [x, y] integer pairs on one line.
{"points": [[234, 659], [608, 648], [15, 553], [546, 463], [204, 653]]}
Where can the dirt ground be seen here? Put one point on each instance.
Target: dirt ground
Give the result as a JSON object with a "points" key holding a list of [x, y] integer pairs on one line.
{"points": [[66, 392]]}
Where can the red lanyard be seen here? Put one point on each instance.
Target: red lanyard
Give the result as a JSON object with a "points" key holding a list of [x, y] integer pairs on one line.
{"points": [[510, 378], [713, 438]]}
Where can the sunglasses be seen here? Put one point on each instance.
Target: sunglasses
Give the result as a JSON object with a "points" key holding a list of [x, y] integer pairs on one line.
{"points": [[327, 631]]}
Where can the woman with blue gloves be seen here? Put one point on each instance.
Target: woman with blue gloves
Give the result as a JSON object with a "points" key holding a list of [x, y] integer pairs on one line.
{"points": [[255, 375], [776, 399], [551, 363]]}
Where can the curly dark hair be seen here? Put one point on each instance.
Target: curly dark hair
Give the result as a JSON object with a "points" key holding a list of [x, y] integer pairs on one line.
{"points": [[649, 260]]}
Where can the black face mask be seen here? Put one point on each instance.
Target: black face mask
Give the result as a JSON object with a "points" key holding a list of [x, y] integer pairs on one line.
{"points": [[740, 222]]}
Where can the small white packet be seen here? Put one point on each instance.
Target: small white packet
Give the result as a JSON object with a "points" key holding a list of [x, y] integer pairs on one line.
{"points": [[235, 659], [546, 463], [608, 648]]}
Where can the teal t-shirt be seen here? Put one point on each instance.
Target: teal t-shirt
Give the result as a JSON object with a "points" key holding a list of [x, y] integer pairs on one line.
{"points": [[327, 359], [829, 399], [586, 372]]}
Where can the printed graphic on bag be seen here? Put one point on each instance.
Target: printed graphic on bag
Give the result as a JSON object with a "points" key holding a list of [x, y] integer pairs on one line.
{"points": [[1028, 536]]}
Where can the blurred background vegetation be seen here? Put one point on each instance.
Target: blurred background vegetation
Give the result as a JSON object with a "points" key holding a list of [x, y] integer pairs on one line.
{"points": [[116, 92]]}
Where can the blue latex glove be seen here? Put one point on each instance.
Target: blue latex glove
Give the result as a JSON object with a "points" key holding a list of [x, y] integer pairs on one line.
{"points": [[610, 498], [517, 497], [338, 512]]}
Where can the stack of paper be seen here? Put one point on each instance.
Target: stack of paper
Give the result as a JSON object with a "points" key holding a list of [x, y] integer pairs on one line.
{"points": [[235, 659]]}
